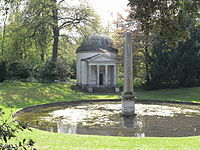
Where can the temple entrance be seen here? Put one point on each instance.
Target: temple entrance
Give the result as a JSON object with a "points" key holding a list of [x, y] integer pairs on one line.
{"points": [[101, 79]]}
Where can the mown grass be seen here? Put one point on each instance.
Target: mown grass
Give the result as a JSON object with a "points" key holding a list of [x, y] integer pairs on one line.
{"points": [[20, 95], [180, 94], [60, 141], [23, 94]]}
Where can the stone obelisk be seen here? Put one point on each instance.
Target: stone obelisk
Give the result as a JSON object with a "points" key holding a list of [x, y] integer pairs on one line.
{"points": [[128, 96]]}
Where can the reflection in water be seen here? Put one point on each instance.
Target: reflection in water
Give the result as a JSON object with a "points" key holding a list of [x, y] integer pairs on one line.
{"points": [[169, 120], [66, 128], [128, 121], [140, 124], [131, 122]]}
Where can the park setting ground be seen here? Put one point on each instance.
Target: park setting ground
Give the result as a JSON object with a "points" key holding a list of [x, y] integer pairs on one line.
{"points": [[23, 94], [130, 69]]}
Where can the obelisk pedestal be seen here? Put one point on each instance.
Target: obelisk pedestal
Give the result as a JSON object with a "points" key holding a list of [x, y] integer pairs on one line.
{"points": [[128, 96]]}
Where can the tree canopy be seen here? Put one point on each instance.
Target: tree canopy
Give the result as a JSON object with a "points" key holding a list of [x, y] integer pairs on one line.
{"points": [[165, 16], [176, 67], [40, 36]]}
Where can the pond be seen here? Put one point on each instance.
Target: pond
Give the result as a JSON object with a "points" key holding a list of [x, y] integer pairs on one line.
{"points": [[104, 118]]}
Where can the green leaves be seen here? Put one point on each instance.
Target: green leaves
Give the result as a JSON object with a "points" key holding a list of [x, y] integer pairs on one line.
{"points": [[8, 130], [174, 67], [166, 17]]}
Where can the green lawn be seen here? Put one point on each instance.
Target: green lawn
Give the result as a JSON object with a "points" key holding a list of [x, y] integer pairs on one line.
{"points": [[181, 94], [20, 95]]}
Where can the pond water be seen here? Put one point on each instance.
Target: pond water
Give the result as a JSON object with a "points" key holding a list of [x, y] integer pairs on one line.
{"points": [[104, 118]]}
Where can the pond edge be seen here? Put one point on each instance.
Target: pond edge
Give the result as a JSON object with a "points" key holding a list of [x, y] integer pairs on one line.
{"points": [[76, 102]]}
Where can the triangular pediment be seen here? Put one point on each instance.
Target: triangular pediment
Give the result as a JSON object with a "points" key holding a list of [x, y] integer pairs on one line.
{"points": [[101, 58]]}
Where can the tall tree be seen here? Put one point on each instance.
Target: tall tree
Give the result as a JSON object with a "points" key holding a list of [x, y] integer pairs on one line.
{"points": [[41, 30], [56, 30], [141, 44], [61, 17], [4, 15], [166, 17], [180, 66]]}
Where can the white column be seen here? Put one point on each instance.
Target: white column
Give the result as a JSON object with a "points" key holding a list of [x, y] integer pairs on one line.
{"points": [[106, 75], [89, 74], [115, 75], [84, 73], [97, 75]]}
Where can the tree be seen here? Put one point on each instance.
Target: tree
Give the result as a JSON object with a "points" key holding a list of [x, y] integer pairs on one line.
{"points": [[32, 36], [176, 67], [141, 45], [62, 18], [4, 15], [2, 71], [167, 17]]}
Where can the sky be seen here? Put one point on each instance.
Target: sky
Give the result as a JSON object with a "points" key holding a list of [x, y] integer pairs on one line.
{"points": [[108, 9]]}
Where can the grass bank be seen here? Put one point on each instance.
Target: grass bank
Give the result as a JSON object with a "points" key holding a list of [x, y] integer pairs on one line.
{"points": [[20, 95]]}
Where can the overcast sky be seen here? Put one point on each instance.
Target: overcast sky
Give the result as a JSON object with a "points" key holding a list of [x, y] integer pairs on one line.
{"points": [[107, 9]]}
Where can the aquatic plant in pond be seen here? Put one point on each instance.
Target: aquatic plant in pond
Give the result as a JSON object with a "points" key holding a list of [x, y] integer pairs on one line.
{"points": [[104, 118]]}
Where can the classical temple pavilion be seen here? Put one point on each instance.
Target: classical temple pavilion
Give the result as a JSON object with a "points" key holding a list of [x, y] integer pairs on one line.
{"points": [[96, 65]]}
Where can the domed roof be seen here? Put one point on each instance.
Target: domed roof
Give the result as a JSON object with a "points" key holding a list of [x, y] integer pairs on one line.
{"points": [[96, 42]]}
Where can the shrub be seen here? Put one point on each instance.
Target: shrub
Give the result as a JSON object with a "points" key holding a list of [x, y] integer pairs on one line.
{"points": [[18, 70], [137, 82], [52, 71], [8, 130], [2, 71]]}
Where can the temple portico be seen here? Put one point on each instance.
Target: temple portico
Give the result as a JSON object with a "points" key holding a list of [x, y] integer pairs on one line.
{"points": [[102, 75]]}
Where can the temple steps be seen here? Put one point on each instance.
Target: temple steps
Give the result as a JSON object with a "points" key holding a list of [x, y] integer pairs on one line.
{"points": [[103, 89]]}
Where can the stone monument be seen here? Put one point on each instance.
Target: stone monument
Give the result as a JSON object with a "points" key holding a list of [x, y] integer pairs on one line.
{"points": [[128, 96]]}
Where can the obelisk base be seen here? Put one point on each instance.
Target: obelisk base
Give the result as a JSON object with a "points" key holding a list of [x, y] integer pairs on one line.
{"points": [[128, 104]]}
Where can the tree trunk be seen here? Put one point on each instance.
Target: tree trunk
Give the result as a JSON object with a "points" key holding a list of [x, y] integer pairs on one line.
{"points": [[55, 44], [3, 37], [146, 54], [146, 63], [42, 54], [55, 31]]}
